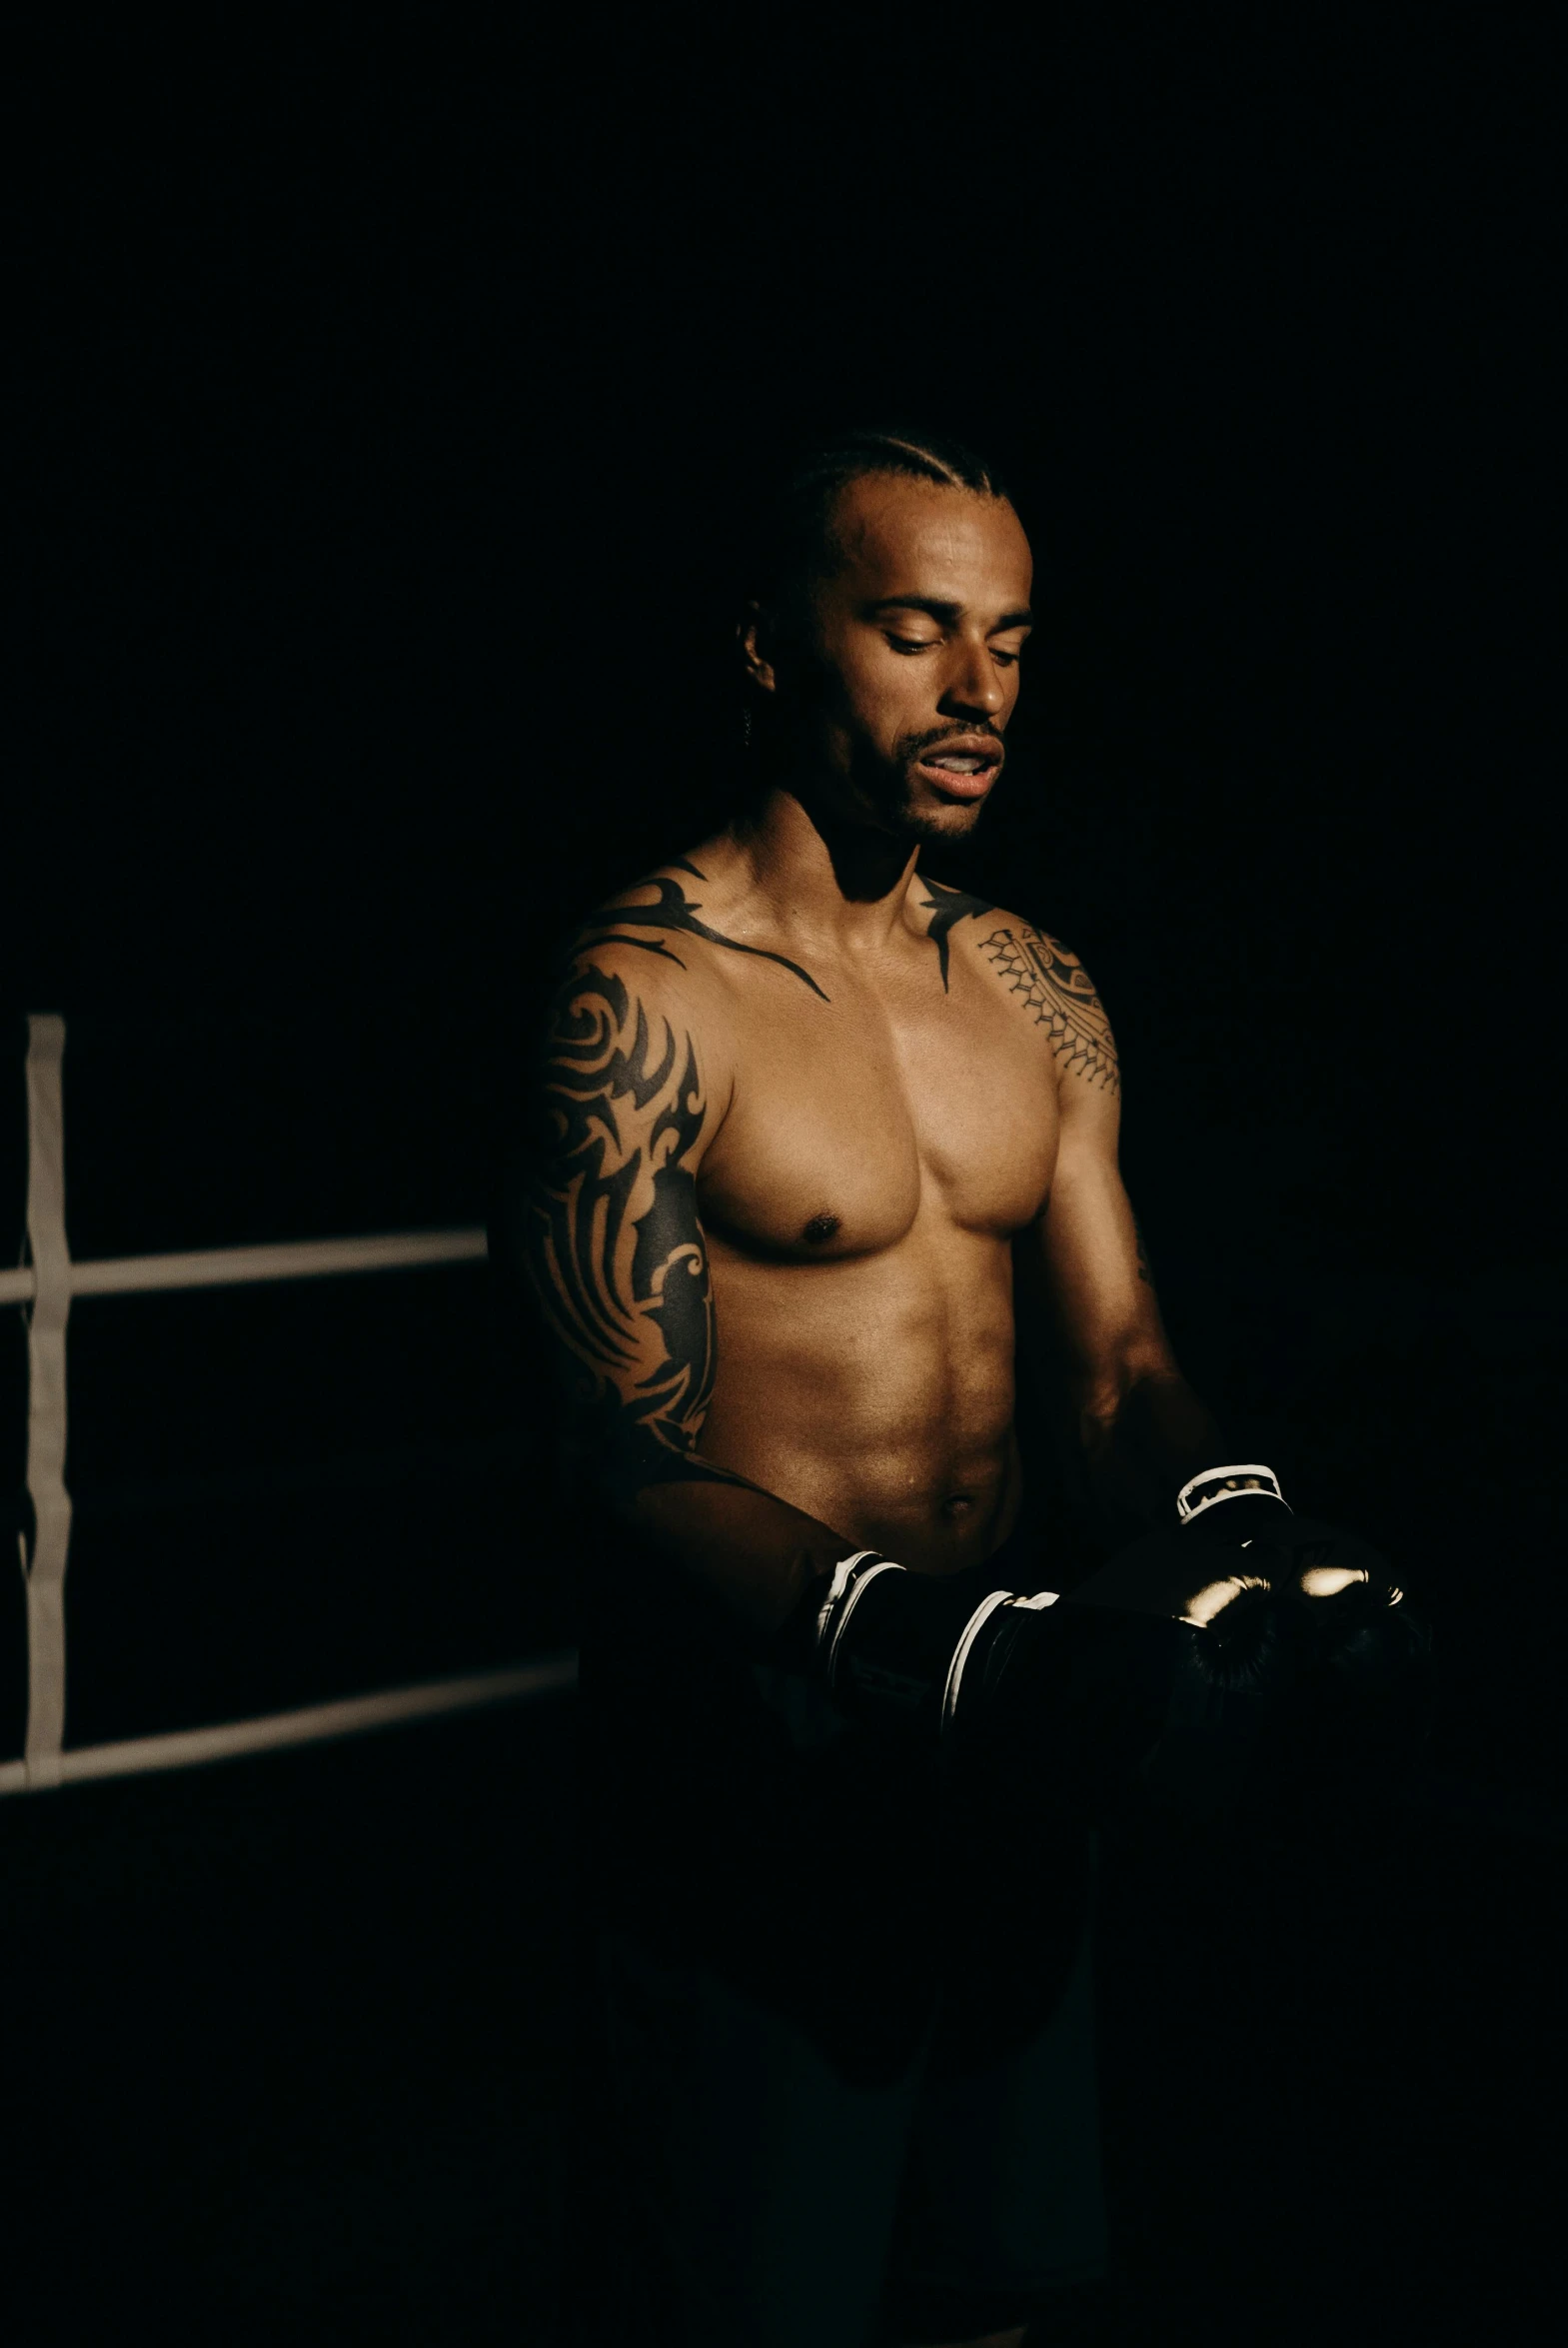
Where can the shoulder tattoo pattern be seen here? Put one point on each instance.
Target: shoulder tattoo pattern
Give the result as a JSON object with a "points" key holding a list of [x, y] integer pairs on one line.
{"points": [[947, 906], [1056, 986], [614, 1248], [674, 910]]}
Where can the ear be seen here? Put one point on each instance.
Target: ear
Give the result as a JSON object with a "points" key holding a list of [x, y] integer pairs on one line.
{"points": [[753, 635]]}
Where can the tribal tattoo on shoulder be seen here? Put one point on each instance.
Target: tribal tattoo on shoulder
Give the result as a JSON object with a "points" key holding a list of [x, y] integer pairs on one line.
{"points": [[947, 906], [1059, 991], [675, 911], [611, 1243]]}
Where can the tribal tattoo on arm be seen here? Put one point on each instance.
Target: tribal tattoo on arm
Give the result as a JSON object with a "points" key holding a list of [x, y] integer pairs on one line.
{"points": [[1056, 986], [610, 1235]]}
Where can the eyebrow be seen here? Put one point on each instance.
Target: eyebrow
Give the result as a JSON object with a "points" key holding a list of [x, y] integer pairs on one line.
{"points": [[947, 613]]}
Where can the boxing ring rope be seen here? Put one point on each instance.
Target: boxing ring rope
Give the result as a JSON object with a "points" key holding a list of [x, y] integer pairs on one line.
{"points": [[47, 1283], [309, 1724], [222, 1267]]}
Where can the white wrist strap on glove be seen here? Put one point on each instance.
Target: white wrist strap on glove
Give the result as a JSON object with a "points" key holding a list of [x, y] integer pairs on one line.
{"points": [[981, 1615], [846, 1580], [1226, 1484], [854, 1575]]}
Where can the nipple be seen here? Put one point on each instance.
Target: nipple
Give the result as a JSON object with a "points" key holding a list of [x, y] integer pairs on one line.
{"points": [[821, 1229]]}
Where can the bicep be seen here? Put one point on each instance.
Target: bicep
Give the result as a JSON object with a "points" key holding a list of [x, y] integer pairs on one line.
{"points": [[1088, 1245], [1095, 1272], [605, 1224], [1082, 1267]]}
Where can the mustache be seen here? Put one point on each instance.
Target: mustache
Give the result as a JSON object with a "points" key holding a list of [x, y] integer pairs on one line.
{"points": [[916, 746]]}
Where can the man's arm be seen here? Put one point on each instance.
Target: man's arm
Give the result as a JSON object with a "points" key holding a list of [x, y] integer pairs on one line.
{"points": [[1142, 1429], [1325, 1629], [603, 1223]]}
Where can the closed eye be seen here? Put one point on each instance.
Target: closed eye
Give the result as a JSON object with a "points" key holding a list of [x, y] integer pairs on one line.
{"points": [[921, 644]]}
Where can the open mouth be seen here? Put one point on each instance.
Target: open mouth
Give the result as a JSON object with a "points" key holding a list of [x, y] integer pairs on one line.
{"points": [[962, 770]]}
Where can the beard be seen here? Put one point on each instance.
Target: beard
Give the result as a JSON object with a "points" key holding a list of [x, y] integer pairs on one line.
{"points": [[888, 789]]}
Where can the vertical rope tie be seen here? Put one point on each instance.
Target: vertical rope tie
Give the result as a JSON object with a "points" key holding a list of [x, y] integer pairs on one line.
{"points": [[46, 1246]]}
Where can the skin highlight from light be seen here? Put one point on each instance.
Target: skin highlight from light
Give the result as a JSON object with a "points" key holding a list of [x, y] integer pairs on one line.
{"points": [[905, 648]]}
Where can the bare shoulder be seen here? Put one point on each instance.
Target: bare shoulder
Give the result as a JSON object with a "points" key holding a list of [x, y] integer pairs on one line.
{"points": [[1041, 980], [634, 954], [636, 1034], [668, 915]]}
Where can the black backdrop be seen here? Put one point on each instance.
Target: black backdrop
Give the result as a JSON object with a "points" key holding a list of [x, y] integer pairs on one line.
{"points": [[392, 389], [390, 386]]}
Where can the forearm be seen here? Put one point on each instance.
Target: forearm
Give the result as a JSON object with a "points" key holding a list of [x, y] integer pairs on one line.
{"points": [[754, 1552], [1140, 1445]]}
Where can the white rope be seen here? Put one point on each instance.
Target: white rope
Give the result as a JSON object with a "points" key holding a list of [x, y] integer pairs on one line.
{"points": [[47, 1282], [218, 1267], [50, 1275], [187, 1748]]}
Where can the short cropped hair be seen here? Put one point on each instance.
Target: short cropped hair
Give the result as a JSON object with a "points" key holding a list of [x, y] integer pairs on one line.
{"points": [[790, 541]]}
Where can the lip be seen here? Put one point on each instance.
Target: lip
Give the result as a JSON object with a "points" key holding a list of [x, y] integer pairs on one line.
{"points": [[962, 746]]}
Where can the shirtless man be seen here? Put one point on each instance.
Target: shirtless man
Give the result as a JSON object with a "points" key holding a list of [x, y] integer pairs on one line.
{"points": [[810, 1117]]}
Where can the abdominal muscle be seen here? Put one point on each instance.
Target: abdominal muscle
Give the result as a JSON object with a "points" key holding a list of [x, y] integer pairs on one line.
{"points": [[874, 1392]]}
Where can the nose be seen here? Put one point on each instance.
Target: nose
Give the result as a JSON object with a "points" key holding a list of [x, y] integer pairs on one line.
{"points": [[973, 688]]}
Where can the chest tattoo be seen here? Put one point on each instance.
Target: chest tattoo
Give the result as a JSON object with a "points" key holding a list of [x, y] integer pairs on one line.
{"points": [[1056, 987]]}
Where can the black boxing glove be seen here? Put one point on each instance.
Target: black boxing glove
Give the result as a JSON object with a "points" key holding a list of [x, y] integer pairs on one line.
{"points": [[1365, 1705], [1240, 1662], [1159, 1668], [1366, 1693]]}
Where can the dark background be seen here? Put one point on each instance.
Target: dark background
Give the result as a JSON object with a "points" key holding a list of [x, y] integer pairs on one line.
{"points": [[390, 389]]}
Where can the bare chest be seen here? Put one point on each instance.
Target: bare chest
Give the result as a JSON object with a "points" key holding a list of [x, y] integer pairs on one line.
{"points": [[853, 1116]]}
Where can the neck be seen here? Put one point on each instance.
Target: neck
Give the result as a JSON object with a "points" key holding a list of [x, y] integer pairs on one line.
{"points": [[824, 876]]}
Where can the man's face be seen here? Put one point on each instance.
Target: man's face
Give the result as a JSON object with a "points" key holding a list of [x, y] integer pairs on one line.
{"points": [[902, 679]]}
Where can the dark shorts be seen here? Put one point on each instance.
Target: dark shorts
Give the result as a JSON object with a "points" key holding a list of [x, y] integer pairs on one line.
{"points": [[835, 2077], [766, 2201]]}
